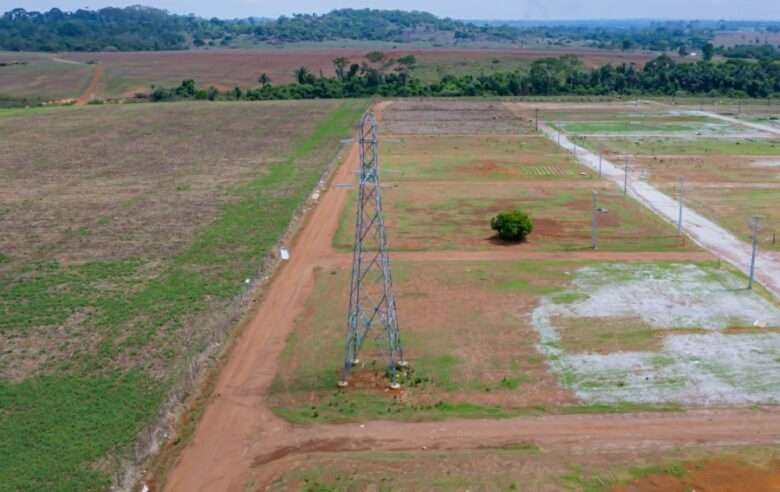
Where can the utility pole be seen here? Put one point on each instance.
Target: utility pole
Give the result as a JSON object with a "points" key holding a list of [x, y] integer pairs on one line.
{"points": [[680, 211], [537, 119], [755, 225], [625, 178], [595, 224], [600, 157]]}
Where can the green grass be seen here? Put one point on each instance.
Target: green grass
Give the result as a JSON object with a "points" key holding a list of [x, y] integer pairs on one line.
{"points": [[357, 406], [621, 407], [14, 112], [52, 428], [672, 146], [595, 127]]}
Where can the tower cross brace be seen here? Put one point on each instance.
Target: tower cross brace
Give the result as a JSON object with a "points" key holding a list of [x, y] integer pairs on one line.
{"points": [[371, 299]]}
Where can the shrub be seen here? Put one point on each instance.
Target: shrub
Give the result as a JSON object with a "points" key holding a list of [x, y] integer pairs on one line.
{"points": [[514, 225]]}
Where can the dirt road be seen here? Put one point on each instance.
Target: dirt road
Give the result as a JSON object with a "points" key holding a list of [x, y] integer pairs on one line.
{"points": [[91, 89], [736, 121], [569, 433], [237, 425]]}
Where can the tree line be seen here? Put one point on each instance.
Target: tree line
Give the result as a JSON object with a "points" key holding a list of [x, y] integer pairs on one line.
{"points": [[110, 29], [144, 28], [564, 75], [140, 28]]}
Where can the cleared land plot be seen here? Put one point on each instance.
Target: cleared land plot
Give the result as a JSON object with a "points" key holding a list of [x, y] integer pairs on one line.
{"points": [[526, 466], [684, 146], [717, 171], [661, 333], [732, 208], [129, 233], [467, 335], [453, 117], [496, 339], [728, 178], [648, 124], [476, 159], [443, 189], [456, 216]]}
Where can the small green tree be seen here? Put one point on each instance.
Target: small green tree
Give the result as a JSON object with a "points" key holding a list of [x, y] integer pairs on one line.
{"points": [[264, 79], [375, 56], [707, 50], [514, 225], [408, 61]]}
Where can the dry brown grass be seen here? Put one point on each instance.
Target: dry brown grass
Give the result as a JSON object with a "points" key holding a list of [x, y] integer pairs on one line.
{"points": [[128, 187]]}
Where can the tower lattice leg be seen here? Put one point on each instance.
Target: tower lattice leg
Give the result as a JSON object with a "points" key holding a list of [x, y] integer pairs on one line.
{"points": [[371, 299]]}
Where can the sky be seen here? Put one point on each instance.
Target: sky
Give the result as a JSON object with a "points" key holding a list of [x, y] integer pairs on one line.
{"points": [[460, 9]]}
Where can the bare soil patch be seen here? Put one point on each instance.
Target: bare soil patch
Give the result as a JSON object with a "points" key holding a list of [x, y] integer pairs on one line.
{"points": [[722, 474], [450, 117]]}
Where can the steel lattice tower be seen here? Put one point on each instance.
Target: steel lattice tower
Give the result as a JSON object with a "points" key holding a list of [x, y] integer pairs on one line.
{"points": [[371, 299]]}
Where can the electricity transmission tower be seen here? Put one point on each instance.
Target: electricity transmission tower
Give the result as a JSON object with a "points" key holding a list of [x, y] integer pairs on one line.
{"points": [[371, 300]]}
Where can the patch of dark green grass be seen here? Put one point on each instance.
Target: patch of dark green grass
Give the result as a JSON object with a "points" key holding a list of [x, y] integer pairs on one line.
{"points": [[621, 407], [54, 428], [357, 406]]}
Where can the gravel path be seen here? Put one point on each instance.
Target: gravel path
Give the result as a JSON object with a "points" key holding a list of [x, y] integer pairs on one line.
{"points": [[736, 121], [703, 231]]}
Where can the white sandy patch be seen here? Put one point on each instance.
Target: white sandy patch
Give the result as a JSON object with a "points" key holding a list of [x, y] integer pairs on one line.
{"points": [[696, 369], [766, 163]]}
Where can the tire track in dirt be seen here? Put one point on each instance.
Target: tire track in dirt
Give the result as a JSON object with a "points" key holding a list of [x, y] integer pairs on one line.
{"points": [[568, 433], [91, 89]]}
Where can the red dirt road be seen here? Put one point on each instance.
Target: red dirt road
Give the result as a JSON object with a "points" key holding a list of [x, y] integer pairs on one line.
{"points": [[239, 441], [237, 424], [91, 89]]}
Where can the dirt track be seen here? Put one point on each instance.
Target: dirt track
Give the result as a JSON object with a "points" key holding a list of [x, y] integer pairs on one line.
{"points": [[238, 437], [91, 89], [236, 425]]}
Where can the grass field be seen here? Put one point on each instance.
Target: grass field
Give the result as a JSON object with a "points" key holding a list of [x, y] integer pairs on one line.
{"points": [[129, 232], [41, 77]]}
